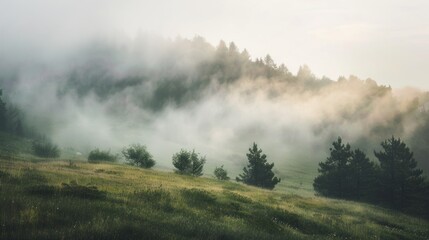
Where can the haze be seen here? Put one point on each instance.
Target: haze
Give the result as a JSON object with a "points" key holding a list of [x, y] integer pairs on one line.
{"points": [[385, 40], [107, 74]]}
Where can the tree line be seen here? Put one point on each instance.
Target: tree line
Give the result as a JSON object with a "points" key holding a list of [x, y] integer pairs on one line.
{"points": [[257, 173], [395, 181]]}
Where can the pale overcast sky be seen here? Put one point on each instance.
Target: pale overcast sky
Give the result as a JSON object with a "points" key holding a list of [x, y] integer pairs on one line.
{"points": [[387, 40]]}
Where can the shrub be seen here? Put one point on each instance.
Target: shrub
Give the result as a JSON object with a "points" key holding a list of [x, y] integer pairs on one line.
{"points": [[189, 163], [221, 174], [45, 149], [97, 155], [137, 155]]}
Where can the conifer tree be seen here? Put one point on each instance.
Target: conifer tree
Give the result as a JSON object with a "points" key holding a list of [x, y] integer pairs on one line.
{"points": [[400, 179], [258, 172], [361, 176], [189, 163], [333, 178]]}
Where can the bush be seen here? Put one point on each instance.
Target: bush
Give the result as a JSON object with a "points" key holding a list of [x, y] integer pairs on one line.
{"points": [[189, 163], [45, 149], [221, 174], [137, 155], [97, 155]]}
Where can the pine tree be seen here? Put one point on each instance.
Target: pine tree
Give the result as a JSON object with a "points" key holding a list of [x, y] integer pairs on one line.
{"points": [[268, 60], [361, 176], [258, 172], [182, 162], [188, 163], [333, 178], [400, 179], [197, 164]]}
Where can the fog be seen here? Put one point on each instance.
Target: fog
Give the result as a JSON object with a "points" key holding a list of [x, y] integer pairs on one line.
{"points": [[111, 91], [385, 40]]}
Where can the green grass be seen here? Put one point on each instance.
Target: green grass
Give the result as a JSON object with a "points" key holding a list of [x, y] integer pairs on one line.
{"points": [[297, 177], [58, 199]]}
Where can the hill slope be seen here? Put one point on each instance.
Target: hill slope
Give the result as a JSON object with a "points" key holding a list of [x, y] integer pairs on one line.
{"points": [[77, 200], [173, 94]]}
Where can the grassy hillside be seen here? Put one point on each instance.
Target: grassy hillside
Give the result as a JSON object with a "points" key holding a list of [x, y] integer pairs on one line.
{"points": [[65, 199]]}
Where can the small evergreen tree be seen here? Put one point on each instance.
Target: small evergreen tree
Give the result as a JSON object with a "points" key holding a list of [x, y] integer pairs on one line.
{"points": [[400, 179], [189, 163], [361, 176], [137, 155], [333, 178], [258, 172], [221, 174], [197, 164], [182, 162]]}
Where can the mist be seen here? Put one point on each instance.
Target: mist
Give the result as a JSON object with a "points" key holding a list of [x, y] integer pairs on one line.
{"points": [[109, 92]]}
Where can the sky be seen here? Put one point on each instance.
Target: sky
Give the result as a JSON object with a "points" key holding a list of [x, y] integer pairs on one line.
{"points": [[386, 40]]}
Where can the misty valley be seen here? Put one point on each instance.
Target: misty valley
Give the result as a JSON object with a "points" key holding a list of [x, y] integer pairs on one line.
{"points": [[154, 138]]}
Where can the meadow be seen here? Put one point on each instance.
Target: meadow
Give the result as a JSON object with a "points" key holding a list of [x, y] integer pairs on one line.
{"points": [[73, 199]]}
